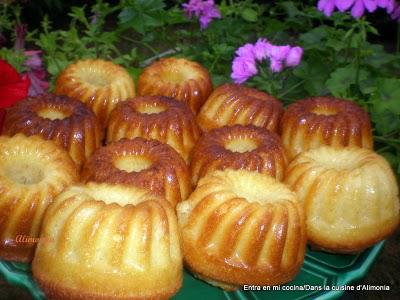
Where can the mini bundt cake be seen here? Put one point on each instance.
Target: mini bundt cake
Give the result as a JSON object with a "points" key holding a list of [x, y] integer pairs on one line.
{"points": [[108, 242], [68, 122], [231, 104], [350, 196], [98, 83], [240, 227], [146, 164], [239, 147], [317, 121], [32, 173], [178, 78], [155, 117]]}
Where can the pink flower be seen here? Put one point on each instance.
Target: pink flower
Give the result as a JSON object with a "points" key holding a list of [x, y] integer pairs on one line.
{"points": [[261, 49], [276, 66], [242, 69], [278, 53], [326, 6], [204, 10], [244, 64], [395, 14], [247, 50], [36, 73], [357, 7], [294, 57]]}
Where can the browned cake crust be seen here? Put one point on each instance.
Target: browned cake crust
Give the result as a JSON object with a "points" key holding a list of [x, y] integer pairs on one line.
{"points": [[108, 242], [32, 173], [79, 132], [350, 196], [162, 169], [241, 227], [99, 83], [155, 117], [254, 149], [316, 121], [178, 78], [231, 104]]}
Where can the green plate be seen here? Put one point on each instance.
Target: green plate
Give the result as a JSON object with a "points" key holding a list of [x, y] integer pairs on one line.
{"points": [[320, 270]]}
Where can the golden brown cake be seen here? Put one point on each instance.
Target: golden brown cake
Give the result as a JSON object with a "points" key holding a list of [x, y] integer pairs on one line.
{"points": [[32, 172], [231, 104], [66, 121], [102, 241], [179, 78], [239, 147], [146, 164], [317, 121], [98, 83], [155, 117], [350, 196], [240, 227]]}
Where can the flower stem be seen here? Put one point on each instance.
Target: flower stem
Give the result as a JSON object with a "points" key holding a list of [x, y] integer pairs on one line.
{"points": [[154, 51], [293, 87]]}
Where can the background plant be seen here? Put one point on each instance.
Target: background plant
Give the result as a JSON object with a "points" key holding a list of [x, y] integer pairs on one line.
{"points": [[343, 56]]}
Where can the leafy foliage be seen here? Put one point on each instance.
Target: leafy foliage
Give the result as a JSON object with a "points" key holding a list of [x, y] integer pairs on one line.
{"points": [[339, 58]]}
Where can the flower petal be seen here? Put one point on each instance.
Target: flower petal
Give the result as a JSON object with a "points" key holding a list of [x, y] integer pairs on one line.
{"points": [[7, 73], [344, 5], [358, 9]]}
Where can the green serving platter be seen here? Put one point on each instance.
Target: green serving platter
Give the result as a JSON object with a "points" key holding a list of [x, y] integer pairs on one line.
{"points": [[323, 276]]}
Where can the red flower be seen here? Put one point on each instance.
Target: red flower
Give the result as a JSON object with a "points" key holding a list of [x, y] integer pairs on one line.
{"points": [[13, 87]]}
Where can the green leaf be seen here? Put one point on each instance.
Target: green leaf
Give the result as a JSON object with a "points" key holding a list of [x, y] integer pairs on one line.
{"points": [[249, 14], [315, 39], [385, 110], [343, 78]]}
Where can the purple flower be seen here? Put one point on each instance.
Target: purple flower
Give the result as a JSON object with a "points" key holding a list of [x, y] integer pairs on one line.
{"points": [[357, 7], [294, 56], [204, 10], [244, 64], [395, 14], [261, 49], [276, 66], [326, 6], [36, 72], [247, 50], [278, 53], [242, 69]]}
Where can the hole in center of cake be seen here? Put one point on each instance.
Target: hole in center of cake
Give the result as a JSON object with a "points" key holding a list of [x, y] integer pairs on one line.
{"points": [[24, 173], [178, 75], [241, 145], [324, 111], [338, 159], [151, 109], [97, 79], [53, 114], [132, 163]]}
